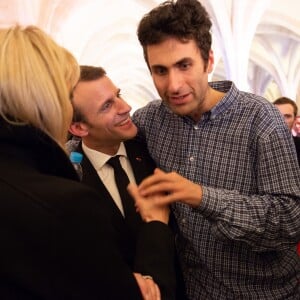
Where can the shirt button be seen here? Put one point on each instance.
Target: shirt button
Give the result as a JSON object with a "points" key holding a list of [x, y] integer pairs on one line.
{"points": [[196, 127], [183, 221], [192, 158]]}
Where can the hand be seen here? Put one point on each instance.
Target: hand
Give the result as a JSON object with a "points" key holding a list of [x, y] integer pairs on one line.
{"points": [[148, 207], [148, 287], [171, 187]]}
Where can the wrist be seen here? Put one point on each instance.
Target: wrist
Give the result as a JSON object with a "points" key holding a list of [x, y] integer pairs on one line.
{"points": [[162, 219]]}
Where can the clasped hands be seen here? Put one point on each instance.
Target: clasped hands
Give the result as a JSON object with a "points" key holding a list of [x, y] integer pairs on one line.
{"points": [[152, 198], [155, 193]]}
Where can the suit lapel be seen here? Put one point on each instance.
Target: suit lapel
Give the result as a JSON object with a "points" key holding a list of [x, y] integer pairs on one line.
{"points": [[141, 162]]}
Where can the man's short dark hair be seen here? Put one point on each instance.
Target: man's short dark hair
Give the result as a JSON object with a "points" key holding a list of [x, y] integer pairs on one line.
{"points": [[286, 100], [90, 73], [87, 73]]}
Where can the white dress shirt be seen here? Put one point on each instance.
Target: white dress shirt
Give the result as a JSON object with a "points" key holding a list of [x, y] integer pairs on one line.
{"points": [[106, 172]]}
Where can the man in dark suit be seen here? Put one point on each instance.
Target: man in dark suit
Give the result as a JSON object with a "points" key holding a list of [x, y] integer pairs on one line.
{"points": [[289, 110], [102, 120]]}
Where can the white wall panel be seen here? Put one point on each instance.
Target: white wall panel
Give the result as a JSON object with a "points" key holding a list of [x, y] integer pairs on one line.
{"points": [[256, 42]]}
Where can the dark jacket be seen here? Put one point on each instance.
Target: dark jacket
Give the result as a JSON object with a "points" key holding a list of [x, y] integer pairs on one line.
{"points": [[297, 145], [142, 166], [57, 241]]}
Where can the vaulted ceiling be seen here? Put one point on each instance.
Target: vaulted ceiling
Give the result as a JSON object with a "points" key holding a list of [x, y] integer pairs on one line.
{"points": [[256, 42]]}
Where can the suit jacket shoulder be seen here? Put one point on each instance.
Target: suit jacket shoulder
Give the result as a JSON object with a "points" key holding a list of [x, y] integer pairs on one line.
{"points": [[297, 145]]}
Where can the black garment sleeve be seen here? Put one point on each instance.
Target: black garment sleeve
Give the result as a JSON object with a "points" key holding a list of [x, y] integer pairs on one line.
{"points": [[155, 256]]}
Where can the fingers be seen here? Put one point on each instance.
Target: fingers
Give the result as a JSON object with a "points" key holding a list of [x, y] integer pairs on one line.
{"points": [[159, 183], [133, 190], [151, 208], [147, 277], [159, 171], [152, 179], [171, 187], [148, 287], [152, 289]]}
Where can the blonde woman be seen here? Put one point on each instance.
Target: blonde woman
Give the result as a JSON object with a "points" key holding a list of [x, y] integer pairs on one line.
{"points": [[55, 233]]}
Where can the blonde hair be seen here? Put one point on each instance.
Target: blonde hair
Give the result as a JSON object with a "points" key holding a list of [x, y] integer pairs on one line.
{"points": [[36, 79]]}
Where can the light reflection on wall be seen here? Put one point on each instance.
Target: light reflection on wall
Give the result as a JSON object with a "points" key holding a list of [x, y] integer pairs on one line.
{"points": [[256, 42]]}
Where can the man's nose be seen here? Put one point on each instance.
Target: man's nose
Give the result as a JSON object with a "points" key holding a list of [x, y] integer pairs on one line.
{"points": [[174, 81], [123, 106]]}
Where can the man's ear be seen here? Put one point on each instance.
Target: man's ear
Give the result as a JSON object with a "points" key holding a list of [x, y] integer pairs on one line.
{"points": [[211, 60], [79, 129]]}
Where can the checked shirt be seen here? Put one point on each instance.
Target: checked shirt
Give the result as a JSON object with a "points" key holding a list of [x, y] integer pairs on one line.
{"points": [[240, 243]]}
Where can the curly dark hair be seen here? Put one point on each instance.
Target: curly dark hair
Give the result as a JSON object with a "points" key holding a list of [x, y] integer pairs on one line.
{"points": [[181, 19]]}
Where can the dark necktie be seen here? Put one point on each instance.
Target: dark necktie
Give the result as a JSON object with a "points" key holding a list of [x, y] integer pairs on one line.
{"points": [[122, 182]]}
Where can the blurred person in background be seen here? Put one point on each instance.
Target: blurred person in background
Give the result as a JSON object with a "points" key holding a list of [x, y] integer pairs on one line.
{"points": [[288, 108], [296, 127]]}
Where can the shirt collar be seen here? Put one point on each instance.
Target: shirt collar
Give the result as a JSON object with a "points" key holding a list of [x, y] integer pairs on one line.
{"points": [[231, 93], [98, 159]]}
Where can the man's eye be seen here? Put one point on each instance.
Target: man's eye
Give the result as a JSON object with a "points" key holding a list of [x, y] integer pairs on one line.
{"points": [[106, 105], [160, 71], [184, 66]]}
